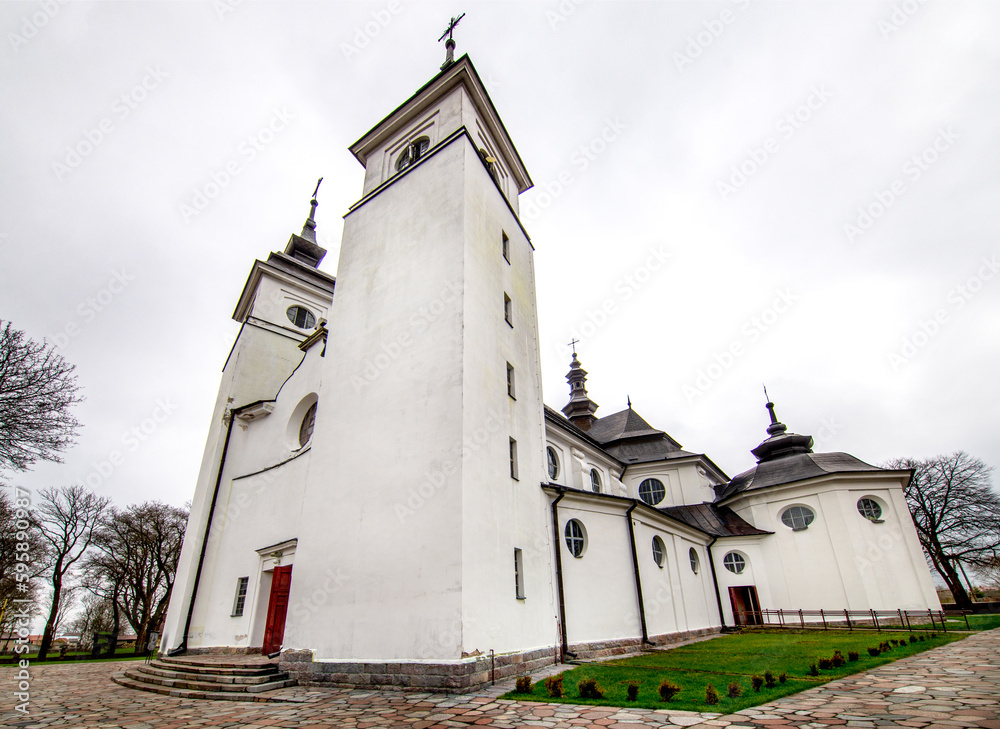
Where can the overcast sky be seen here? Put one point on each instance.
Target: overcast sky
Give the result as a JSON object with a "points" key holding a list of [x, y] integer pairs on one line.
{"points": [[802, 194]]}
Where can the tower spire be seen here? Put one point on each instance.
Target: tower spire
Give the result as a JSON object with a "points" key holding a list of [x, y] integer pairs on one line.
{"points": [[580, 409], [304, 247], [309, 228], [779, 442], [449, 44]]}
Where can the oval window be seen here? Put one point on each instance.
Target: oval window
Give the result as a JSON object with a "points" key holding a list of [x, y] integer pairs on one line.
{"points": [[576, 538], [870, 509], [308, 423], [693, 556], [797, 518], [553, 460], [652, 491], [658, 551], [595, 480], [734, 562], [301, 317]]}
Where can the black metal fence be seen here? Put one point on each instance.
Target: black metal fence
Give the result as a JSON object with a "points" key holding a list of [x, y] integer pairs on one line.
{"points": [[908, 620]]}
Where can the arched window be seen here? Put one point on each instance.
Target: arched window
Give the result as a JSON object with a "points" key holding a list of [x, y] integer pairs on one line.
{"points": [[797, 518], [414, 151], [576, 538], [652, 491], [734, 562], [595, 480], [870, 509], [659, 551], [301, 317], [553, 460], [308, 423], [693, 556]]}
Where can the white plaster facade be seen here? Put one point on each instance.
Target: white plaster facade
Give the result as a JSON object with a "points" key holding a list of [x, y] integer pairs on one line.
{"points": [[428, 469]]}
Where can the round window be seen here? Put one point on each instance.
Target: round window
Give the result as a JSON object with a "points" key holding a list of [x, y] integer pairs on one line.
{"points": [[553, 460], [308, 423], [797, 518], [658, 551], [301, 317], [734, 562], [414, 151], [693, 556], [870, 509], [595, 480], [652, 491], [576, 537]]}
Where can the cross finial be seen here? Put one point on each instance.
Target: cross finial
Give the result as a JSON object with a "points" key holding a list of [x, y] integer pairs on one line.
{"points": [[573, 344], [629, 400], [450, 43], [768, 399]]}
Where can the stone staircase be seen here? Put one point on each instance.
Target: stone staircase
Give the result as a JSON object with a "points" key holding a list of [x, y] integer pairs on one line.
{"points": [[226, 678]]}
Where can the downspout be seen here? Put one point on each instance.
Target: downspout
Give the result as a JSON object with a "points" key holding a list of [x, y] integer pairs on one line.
{"points": [[635, 567], [559, 576], [204, 542], [715, 581]]}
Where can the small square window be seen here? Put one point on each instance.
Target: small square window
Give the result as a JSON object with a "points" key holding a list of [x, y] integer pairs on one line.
{"points": [[508, 313], [518, 574], [513, 459], [510, 380], [505, 247], [241, 596]]}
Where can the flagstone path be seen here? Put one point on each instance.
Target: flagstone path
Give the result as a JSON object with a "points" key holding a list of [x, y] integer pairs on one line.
{"points": [[951, 687]]}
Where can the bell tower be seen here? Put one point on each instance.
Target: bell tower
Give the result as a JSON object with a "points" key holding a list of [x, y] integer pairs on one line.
{"points": [[423, 486]]}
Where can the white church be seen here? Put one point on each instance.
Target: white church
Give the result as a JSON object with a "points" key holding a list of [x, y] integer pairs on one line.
{"points": [[385, 499]]}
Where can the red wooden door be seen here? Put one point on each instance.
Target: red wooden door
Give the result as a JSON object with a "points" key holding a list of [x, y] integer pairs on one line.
{"points": [[277, 609], [746, 609]]}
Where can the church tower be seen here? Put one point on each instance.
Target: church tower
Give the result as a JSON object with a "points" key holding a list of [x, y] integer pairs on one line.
{"points": [[422, 495]]}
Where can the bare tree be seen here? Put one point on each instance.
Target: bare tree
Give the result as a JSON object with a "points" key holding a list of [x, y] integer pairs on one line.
{"points": [[22, 559], [66, 518], [37, 391], [136, 556], [957, 515], [95, 617]]}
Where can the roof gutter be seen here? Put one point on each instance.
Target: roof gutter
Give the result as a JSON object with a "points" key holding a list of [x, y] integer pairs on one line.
{"points": [[559, 576], [715, 582], [635, 568]]}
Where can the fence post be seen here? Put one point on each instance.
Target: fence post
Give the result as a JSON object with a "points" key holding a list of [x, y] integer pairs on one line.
{"points": [[901, 623], [848, 616], [965, 615], [906, 614], [802, 620], [823, 618], [930, 614], [875, 620]]}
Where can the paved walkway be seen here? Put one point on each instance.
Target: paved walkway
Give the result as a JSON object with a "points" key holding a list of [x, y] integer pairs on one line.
{"points": [[951, 687]]}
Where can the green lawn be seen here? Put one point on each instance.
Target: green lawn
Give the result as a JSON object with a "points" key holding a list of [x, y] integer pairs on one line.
{"points": [[121, 654], [731, 658], [976, 622]]}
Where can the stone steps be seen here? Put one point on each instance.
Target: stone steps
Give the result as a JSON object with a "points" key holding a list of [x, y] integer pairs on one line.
{"points": [[205, 678]]}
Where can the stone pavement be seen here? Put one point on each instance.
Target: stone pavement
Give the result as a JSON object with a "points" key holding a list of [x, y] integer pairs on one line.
{"points": [[951, 687]]}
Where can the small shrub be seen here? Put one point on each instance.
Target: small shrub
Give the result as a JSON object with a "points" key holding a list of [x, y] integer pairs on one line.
{"points": [[873, 652], [933, 635], [782, 676], [838, 659], [825, 664], [756, 681], [853, 655], [711, 695], [884, 647], [589, 689], [522, 684], [668, 690], [813, 671], [913, 638], [921, 639], [769, 680], [554, 685], [735, 690], [895, 643], [632, 690]]}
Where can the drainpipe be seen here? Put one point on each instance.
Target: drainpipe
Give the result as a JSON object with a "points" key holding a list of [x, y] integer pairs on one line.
{"points": [[204, 542], [715, 581], [635, 567], [559, 576]]}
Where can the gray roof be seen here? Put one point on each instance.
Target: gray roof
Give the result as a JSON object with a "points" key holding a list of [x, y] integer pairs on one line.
{"points": [[789, 469], [718, 521], [630, 439]]}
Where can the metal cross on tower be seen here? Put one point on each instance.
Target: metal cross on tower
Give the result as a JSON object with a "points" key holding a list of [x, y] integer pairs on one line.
{"points": [[573, 344], [450, 43]]}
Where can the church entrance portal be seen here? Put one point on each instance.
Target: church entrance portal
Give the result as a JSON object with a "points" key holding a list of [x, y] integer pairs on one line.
{"points": [[277, 609], [746, 609]]}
